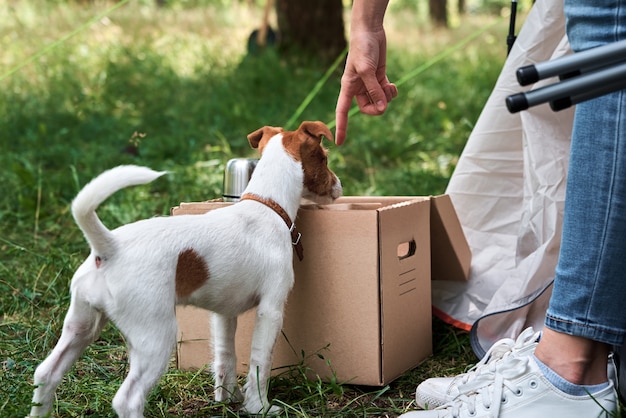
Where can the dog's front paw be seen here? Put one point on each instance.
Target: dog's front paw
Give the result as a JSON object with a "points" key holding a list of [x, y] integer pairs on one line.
{"points": [[223, 394], [274, 410], [257, 407]]}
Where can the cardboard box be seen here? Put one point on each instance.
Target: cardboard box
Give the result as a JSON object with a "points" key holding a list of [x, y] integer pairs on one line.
{"points": [[360, 309]]}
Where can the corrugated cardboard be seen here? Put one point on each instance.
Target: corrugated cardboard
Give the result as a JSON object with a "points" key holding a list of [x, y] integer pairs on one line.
{"points": [[360, 307], [450, 252]]}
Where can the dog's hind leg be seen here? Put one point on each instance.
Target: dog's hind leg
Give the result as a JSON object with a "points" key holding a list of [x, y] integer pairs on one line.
{"points": [[269, 321], [150, 344], [82, 325], [224, 358]]}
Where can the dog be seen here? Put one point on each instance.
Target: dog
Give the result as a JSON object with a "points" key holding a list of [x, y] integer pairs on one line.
{"points": [[228, 261]]}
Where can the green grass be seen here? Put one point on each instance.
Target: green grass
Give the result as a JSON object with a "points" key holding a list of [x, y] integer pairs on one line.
{"points": [[175, 89]]}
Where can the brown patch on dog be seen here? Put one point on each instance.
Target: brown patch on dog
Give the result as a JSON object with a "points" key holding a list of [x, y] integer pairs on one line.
{"points": [[305, 145], [260, 137], [191, 273]]}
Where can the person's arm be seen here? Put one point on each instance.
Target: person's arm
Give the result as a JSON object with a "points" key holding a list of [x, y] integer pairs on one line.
{"points": [[365, 74]]}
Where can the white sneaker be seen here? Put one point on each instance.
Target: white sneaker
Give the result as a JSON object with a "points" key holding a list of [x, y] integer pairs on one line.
{"points": [[438, 391], [518, 389]]}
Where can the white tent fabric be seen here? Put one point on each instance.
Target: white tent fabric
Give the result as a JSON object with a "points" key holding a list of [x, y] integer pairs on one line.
{"points": [[508, 189]]}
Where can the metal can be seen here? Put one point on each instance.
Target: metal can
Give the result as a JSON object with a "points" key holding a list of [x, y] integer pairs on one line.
{"points": [[236, 177]]}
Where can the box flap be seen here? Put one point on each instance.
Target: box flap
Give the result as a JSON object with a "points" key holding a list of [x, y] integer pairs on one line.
{"points": [[450, 253], [381, 200], [345, 206], [198, 208]]}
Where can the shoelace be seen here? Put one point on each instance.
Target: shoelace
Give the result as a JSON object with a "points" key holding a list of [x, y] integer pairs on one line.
{"points": [[489, 387], [497, 352]]}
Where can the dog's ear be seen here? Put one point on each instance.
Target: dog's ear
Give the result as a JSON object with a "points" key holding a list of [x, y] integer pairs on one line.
{"points": [[265, 132], [316, 130]]}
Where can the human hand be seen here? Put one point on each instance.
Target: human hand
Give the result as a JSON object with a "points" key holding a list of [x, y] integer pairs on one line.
{"points": [[364, 78]]}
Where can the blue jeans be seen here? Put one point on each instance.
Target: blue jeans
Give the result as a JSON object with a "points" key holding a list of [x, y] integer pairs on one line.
{"points": [[589, 295]]}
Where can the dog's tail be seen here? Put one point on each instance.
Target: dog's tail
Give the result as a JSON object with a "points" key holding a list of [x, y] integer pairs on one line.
{"points": [[97, 191]]}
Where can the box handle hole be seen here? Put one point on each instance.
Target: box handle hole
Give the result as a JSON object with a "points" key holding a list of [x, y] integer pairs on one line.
{"points": [[406, 249]]}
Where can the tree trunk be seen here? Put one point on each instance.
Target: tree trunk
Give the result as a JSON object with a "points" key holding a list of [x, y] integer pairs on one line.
{"points": [[462, 8], [313, 27], [439, 12]]}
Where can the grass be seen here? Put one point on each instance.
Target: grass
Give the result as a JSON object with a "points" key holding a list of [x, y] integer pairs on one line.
{"points": [[175, 89]]}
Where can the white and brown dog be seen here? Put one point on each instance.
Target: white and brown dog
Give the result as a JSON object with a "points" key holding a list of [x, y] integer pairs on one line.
{"points": [[227, 261]]}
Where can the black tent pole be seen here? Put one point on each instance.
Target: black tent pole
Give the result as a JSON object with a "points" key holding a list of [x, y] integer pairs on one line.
{"points": [[510, 40]]}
